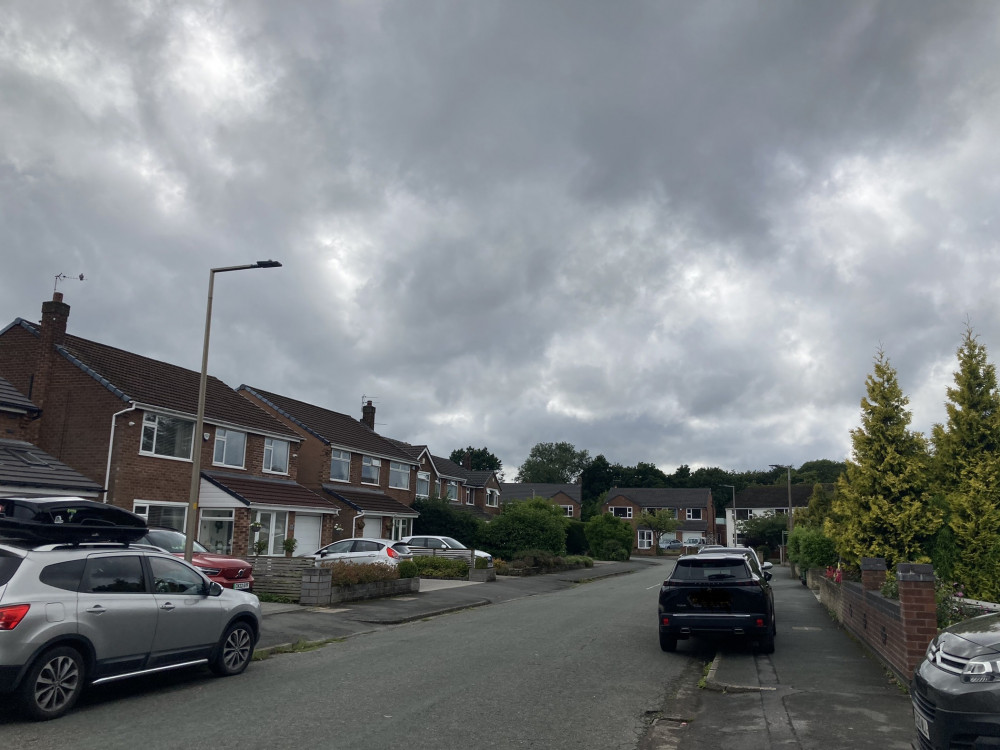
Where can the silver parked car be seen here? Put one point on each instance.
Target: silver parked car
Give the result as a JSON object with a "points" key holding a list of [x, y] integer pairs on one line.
{"points": [[89, 613], [424, 544], [362, 551]]}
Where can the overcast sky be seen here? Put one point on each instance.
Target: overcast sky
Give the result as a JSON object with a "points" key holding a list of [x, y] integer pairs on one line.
{"points": [[671, 232]]}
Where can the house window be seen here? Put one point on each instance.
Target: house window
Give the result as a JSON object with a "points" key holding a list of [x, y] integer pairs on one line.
{"points": [[452, 492], [168, 515], [672, 512], [621, 511], [781, 511], [340, 466], [423, 483], [275, 456], [742, 514], [470, 496], [645, 539], [216, 530], [399, 476], [370, 468], [402, 527], [272, 531], [492, 498], [568, 510], [230, 447], [693, 514], [166, 436]]}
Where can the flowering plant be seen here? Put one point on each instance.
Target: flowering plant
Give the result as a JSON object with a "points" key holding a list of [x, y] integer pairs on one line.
{"points": [[834, 574], [338, 527]]}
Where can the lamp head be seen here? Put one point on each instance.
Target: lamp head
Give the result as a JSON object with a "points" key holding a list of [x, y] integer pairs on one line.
{"points": [[267, 264]]}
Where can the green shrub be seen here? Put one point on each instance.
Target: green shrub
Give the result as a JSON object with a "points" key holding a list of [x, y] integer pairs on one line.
{"points": [[811, 548], [528, 525], [609, 538], [580, 560], [346, 574], [441, 518], [408, 569], [481, 563], [576, 537], [441, 567]]}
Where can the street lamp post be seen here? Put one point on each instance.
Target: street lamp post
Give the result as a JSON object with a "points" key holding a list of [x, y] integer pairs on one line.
{"points": [[192, 516], [791, 521], [736, 531]]}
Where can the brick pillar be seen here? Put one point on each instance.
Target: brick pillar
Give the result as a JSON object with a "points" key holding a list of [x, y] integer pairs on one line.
{"points": [[917, 611], [872, 573]]}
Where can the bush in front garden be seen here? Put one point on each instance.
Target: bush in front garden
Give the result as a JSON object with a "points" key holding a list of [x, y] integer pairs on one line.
{"points": [[527, 524], [576, 537], [610, 538], [408, 569], [441, 567], [346, 574]]}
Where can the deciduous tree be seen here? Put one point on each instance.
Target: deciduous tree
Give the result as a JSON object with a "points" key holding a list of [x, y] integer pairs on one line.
{"points": [[553, 463]]}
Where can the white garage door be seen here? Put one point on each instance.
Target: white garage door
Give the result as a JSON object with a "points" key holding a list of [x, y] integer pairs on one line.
{"points": [[373, 527], [308, 530]]}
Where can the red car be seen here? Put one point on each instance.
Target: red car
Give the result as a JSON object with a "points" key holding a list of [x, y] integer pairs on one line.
{"points": [[231, 572]]}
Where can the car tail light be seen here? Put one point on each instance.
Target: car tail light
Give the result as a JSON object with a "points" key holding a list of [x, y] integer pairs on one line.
{"points": [[11, 615], [664, 621], [760, 622], [391, 552]]}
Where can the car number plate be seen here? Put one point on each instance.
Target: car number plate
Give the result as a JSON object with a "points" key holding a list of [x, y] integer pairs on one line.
{"points": [[921, 723], [242, 585]]}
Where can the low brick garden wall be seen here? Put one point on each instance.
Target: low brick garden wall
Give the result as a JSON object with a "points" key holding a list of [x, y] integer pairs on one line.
{"points": [[318, 591]]}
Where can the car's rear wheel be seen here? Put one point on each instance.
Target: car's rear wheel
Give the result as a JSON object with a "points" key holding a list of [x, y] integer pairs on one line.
{"points": [[235, 650], [667, 642], [52, 685]]}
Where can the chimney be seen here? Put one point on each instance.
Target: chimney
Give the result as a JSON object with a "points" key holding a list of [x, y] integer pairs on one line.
{"points": [[467, 461], [368, 415], [53, 331]]}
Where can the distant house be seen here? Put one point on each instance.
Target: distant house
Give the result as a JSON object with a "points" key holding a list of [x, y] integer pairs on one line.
{"points": [[693, 507], [566, 496], [769, 500], [126, 423]]}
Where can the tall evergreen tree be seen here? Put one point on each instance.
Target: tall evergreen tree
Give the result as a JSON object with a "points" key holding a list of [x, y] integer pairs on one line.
{"points": [[967, 469], [881, 508]]}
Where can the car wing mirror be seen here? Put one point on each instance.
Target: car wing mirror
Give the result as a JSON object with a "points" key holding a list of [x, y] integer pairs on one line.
{"points": [[767, 576], [767, 566], [215, 589]]}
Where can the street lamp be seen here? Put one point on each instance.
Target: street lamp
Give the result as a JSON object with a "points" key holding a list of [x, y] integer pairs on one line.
{"points": [[199, 425], [789, 467], [736, 531]]}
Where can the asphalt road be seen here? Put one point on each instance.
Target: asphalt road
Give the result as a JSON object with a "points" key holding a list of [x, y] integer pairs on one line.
{"points": [[577, 668]]}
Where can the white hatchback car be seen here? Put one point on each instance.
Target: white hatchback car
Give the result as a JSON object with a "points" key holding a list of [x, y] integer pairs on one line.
{"points": [[362, 551]]}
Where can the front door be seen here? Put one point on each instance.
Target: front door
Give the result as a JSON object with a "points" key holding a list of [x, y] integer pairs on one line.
{"points": [[189, 622]]}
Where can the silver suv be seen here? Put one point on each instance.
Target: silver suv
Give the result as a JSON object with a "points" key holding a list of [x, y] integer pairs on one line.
{"points": [[86, 614]]}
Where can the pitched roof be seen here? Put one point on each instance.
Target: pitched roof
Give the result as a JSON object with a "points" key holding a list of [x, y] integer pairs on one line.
{"points": [[445, 467], [663, 497], [774, 496], [332, 428], [478, 478], [13, 400], [149, 382], [523, 490], [25, 468], [269, 491], [370, 501]]}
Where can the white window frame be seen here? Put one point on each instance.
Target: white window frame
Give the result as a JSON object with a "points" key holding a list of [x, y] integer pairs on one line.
{"points": [[402, 527], [269, 455], [470, 496], [369, 465], [424, 476], [399, 472], [223, 437], [492, 498], [569, 510], [692, 514], [341, 458], [151, 420], [644, 539], [451, 491], [141, 509], [273, 531], [613, 510]]}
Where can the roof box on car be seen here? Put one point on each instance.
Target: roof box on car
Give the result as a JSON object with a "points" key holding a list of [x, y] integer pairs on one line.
{"points": [[67, 520]]}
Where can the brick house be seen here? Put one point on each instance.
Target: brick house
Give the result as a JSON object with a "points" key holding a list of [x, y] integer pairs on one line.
{"points": [[765, 500], [475, 491], [371, 478], [566, 496], [693, 507], [126, 422]]}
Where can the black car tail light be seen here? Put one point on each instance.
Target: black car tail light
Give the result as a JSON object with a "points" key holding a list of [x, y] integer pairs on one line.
{"points": [[12, 614]]}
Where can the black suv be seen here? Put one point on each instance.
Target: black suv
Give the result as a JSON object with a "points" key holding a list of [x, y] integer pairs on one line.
{"points": [[717, 594]]}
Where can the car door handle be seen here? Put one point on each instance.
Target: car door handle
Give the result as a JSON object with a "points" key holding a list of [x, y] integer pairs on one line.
{"points": [[167, 606], [97, 609]]}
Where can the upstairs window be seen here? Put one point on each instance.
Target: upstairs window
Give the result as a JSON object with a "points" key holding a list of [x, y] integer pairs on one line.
{"points": [[370, 468], [624, 511], [470, 496], [492, 498], [569, 511], [230, 447], [452, 492], [340, 466], [693, 514], [166, 436], [275, 456], [423, 484], [399, 476]]}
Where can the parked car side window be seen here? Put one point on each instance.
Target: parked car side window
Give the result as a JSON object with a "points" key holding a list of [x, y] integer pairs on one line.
{"points": [[113, 575], [418, 541], [65, 575], [436, 544], [338, 547], [172, 577], [8, 564], [363, 545]]}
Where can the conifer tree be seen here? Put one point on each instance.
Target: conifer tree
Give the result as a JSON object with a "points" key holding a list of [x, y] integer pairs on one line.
{"points": [[967, 469], [881, 506]]}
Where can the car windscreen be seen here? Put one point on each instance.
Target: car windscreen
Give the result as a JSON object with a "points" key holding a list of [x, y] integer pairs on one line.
{"points": [[711, 569], [171, 541], [8, 564]]}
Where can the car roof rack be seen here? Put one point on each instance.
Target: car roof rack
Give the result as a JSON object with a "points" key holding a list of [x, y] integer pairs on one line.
{"points": [[67, 520]]}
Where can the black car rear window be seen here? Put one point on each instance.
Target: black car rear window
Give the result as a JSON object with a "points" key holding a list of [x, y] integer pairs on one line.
{"points": [[8, 564], [707, 569]]}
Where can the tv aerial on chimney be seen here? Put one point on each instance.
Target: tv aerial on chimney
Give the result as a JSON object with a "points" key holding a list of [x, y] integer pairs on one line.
{"points": [[61, 276]]}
